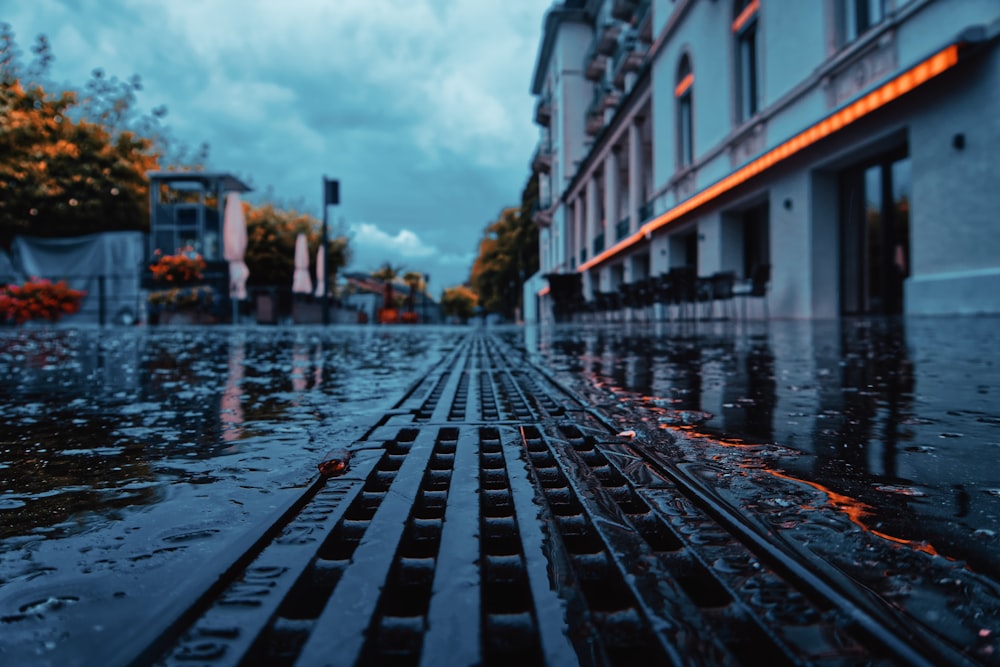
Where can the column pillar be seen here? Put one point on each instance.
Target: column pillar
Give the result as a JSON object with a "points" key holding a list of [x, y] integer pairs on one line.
{"points": [[590, 231], [611, 212], [635, 175]]}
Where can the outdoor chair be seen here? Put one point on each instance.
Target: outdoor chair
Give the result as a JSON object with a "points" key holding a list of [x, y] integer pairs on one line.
{"points": [[685, 291], [644, 294], [722, 286], [662, 291], [755, 288]]}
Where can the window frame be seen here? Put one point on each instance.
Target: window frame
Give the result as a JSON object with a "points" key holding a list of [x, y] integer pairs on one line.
{"points": [[746, 67], [855, 18], [684, 95]]}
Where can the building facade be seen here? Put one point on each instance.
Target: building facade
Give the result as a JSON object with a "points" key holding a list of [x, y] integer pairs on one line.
{"points": [[847, 146]]}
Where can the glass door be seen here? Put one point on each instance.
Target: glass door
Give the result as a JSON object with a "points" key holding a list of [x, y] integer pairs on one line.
{"points": [[875, 235]]}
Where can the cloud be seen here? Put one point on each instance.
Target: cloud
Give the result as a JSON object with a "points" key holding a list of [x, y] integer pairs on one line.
{"points": [[373, 247]]}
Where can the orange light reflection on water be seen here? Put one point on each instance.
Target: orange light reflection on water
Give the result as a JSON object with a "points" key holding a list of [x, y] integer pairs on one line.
{"points": [[855, 510]]}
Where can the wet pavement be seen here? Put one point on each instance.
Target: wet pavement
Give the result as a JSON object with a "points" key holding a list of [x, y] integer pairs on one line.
{"points": [[130, 458], [900, 418]]}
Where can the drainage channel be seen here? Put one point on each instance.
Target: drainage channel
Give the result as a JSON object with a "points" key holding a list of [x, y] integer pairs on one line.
{"points": [[491, 518]]}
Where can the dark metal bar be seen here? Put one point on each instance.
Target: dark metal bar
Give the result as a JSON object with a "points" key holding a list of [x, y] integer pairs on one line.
{"points": [[454, 635], [339, 632]]}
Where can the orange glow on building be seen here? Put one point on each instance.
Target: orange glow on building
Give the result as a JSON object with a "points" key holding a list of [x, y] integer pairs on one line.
{"points": [[747, 14], [545, 290], [887, 92]]}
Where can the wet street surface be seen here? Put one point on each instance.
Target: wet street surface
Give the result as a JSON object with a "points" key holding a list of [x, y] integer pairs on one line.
{"points": [[800, 493]]}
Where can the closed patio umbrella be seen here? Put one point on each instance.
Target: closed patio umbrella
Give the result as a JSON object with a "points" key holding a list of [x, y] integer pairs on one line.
{"points": [[301, 282], [234, 245]]}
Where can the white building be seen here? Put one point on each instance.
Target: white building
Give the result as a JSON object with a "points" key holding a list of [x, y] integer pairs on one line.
{"points": [[849, 146]]}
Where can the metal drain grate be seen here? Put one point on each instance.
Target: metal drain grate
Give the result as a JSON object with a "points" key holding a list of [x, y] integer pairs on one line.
{"points": [[491, 518]]}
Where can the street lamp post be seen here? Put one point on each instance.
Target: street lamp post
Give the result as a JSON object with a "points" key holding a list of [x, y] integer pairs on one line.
{"points": [[331, 197]]}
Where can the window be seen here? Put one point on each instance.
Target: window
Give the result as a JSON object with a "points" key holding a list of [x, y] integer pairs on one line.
{"points": [[855, 17], [685, 116], [745, 32]]}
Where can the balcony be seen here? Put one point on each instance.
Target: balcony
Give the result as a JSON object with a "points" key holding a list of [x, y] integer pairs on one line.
{"points": [[624, 10], [644, 21], [543, 110], [607, 37], [598, 244], [622, 228], [595, 64], [542, 160], [646, 211], [610, 97], [595, 113], [628, 59], [541, 217]]}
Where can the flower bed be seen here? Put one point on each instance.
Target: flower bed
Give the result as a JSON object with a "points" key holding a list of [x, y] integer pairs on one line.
{"points": [[184, 267], [39, 299], [181, 300]]}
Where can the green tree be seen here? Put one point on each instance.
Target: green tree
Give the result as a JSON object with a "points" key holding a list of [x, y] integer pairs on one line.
{"points": [[459, 301], [508, 255], [270, 253]]}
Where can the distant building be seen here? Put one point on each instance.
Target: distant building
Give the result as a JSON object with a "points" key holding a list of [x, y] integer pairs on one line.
{"points": [[366, 295], [186, 209], [848, 145]]}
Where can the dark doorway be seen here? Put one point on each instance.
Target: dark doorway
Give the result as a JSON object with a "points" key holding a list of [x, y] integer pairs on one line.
{"points": [[875, 235], [691, 251], [756, 239]]}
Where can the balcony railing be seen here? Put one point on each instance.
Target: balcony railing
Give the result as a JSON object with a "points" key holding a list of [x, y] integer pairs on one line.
{"points": [[598, 244], [610, 97], [607, 37], [595, 112], [542, 161], [646, 211], [595, 64], [622, 228], [628, 58], [624, 10], [542, 217], [543, 110], [644, 21]]}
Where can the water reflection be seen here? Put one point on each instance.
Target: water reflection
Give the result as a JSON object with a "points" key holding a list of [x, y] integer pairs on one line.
{"points": [[97, 423], [894, 417], [231, 410]]}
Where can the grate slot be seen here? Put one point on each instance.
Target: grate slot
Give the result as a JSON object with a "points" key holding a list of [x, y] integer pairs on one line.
{"points": [[461, 399], [489, 409], [509, 627], [602, 586]]}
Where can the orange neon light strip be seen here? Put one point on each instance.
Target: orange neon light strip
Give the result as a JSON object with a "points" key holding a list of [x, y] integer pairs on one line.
{"points": [[747, 14], [543, 291], [684, 84], [902, 84]]}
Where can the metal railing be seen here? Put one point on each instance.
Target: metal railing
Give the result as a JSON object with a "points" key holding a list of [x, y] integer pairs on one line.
{"points": [[599, 244], [622, 228]]}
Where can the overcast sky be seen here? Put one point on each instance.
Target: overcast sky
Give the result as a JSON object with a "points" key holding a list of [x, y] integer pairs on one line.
{"points": [[421, 108]]}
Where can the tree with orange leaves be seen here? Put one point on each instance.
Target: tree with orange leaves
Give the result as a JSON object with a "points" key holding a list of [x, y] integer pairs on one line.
{"points": [[71, 164]]}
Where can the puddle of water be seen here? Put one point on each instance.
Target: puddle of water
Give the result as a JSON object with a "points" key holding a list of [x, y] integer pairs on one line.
{"points": [[900, 417]]}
